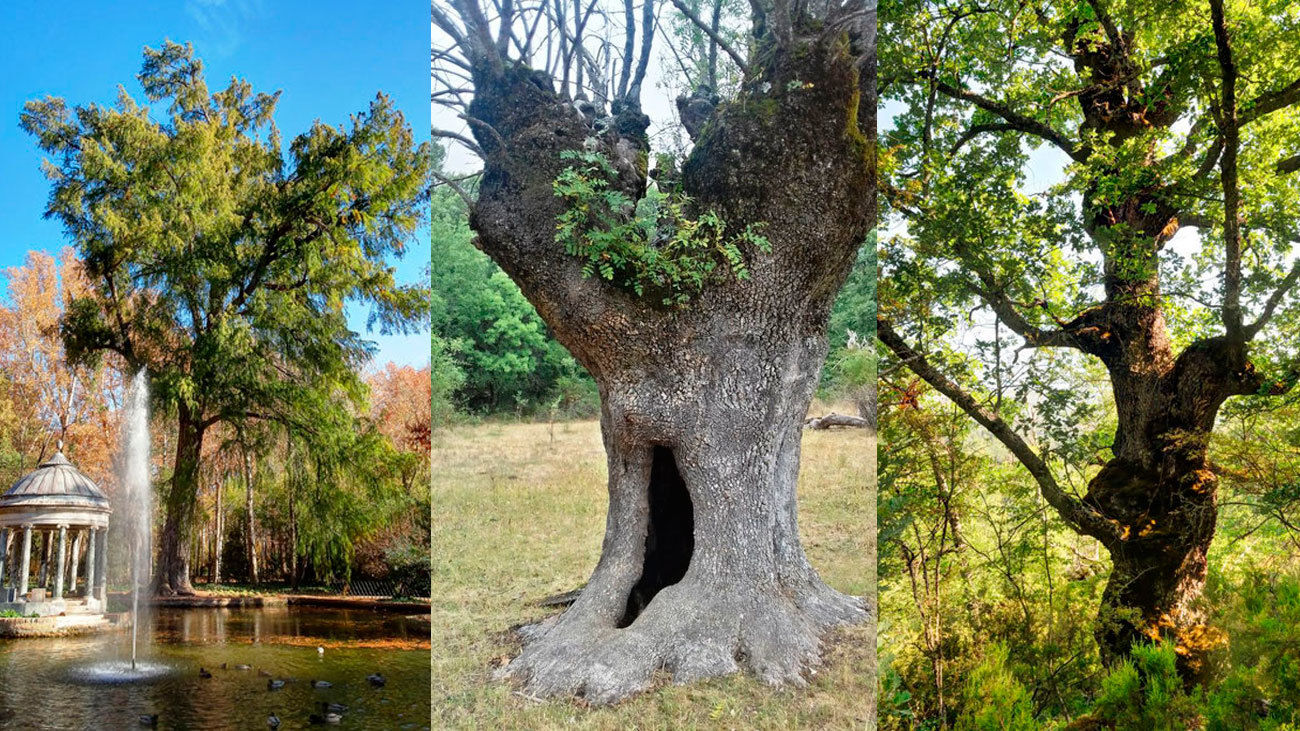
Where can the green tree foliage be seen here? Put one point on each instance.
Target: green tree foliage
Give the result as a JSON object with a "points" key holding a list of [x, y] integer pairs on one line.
{"points": [[851, 362], [446, 376], [341, 492], [650, 245], [978, 578], [496, 353], [222, 259], [1145, 691], [1260, 686], [855, 309]]}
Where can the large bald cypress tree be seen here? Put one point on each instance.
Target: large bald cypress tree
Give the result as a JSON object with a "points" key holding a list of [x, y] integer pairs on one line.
{"points": [[221, 261]]}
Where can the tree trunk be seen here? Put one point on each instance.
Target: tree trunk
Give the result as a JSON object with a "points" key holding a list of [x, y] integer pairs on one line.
{"points": [[250, 521], [1159, 562], [833, 419], [702, 567], [173, 573], [701, 571], [1160, 492], [294, 575], [219, 542]]}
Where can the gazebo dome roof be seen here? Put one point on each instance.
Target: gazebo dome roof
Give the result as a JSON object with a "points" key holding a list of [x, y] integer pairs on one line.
{"points": [[55, 484]]}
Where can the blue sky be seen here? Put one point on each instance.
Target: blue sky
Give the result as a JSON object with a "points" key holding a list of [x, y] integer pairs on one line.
{"points": [[329, 57]]}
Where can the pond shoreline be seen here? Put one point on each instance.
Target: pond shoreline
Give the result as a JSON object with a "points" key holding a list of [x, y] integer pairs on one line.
{"points": [[255, 601]]}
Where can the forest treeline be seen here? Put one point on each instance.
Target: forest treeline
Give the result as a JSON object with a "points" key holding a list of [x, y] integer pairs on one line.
{"points": [[271, 508]]}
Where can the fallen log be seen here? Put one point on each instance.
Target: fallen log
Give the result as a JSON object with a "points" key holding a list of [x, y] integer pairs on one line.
{"points": [[834, 419]]}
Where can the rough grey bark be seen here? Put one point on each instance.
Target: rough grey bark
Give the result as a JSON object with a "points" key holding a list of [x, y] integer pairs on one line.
{"points": [[701, 571]]}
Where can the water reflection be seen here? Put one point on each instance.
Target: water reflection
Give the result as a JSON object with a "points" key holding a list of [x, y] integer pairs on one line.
{"points": [[43, 683]]}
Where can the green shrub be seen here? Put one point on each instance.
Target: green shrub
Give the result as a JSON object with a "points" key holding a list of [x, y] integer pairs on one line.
{"points": [[646, 246], [992, 698], [1146, 692], [1261, 685]]}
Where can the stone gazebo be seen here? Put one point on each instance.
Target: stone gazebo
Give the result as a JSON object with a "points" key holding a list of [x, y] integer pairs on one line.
{"points": [[53, 522]]}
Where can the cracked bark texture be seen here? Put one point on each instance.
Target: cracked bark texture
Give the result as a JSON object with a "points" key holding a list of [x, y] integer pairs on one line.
{"points": [[701, 572]]}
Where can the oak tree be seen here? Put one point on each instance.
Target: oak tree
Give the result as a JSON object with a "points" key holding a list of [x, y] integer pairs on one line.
{"points": [[1161, 248], [698, 301]]}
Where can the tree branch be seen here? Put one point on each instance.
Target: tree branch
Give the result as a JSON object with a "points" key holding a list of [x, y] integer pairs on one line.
{"points": [[1270, 102], [1288, 283], [629, 47], [711, 32], [1228, 122], [470, 144], [647, 40], [1016, 120], [977, 130], [454, 185], [478, 44], [1071, 509], [445, 23], [1035, 337]]}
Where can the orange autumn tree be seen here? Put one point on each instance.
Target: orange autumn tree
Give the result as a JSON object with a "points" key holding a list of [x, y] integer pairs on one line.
{"points": [[44, 399], [401, 410], [400, 407]]}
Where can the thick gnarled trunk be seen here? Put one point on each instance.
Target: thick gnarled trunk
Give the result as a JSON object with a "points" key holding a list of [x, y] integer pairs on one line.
{"points": [[701, 572], [1160, 492], [1166, 521]]}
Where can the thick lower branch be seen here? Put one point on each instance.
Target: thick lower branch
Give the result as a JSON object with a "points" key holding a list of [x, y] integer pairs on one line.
{"points": [[1074, 512]]}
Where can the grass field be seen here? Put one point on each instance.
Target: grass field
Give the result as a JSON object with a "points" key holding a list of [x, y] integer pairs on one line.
{"points": [[519, 512]]}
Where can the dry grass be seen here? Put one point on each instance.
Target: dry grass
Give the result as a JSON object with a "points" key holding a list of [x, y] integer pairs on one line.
{"points": [[519, 512]]}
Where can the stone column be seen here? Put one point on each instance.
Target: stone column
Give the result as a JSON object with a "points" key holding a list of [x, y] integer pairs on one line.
{"points": [[76, 559], [4, 554], [25, 566], [62, 563], [38, 538], [101, 575], [90, 564]]}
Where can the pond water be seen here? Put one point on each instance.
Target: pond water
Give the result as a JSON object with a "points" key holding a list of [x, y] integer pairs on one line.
{"points": [[45, 683]]}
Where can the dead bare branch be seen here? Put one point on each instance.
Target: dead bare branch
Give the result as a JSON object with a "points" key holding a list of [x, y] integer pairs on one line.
{"points": [[714, 36]]}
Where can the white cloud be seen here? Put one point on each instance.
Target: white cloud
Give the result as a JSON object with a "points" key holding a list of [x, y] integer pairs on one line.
{"points": [[221, 23]]}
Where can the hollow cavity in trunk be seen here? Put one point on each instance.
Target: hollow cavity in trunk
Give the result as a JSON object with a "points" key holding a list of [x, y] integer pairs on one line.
{"points": [[670, 534]]}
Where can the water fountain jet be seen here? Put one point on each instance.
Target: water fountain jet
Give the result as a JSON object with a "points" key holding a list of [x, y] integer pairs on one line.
{"points": [[137, 512], [138, 498]]}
